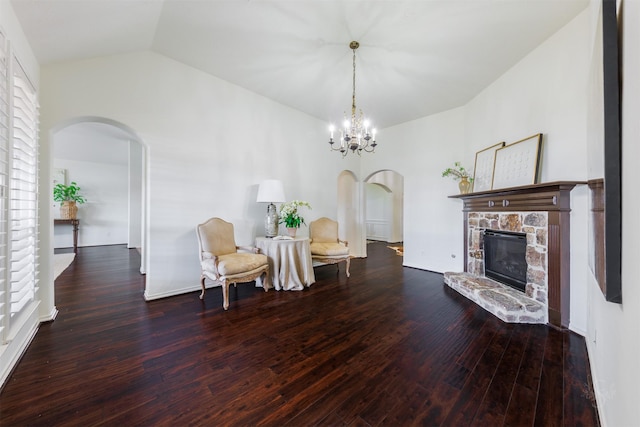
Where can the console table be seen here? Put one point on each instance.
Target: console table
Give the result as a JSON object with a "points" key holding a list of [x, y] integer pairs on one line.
{"points": [[290, 265], [76, 224]]}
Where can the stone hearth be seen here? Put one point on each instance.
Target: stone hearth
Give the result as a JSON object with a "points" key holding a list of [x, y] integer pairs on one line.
{"points": [[507, 303], [504, 302]]}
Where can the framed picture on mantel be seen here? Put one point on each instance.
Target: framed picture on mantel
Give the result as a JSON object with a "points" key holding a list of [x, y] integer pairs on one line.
{"points": [[483, 168], [517, 164]]}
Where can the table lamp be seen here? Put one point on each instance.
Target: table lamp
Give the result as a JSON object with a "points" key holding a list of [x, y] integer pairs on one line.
{"points": [[271, 191]]}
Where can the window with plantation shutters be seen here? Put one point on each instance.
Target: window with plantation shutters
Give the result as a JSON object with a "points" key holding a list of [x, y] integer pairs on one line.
{"points": [[23, 175], [4, 157]]}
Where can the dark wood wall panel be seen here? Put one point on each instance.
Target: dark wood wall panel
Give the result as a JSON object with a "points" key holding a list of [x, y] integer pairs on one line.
{"points": [[598, 255]]}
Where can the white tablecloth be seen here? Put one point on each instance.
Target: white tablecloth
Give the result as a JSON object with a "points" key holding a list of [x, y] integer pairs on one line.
{"points": [[290, 266]]}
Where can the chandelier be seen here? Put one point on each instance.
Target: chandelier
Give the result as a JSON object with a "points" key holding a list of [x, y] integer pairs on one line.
{"points": [[354, 135]]}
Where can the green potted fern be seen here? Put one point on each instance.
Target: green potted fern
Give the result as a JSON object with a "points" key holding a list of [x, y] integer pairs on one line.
{"points": [[69, 197]]}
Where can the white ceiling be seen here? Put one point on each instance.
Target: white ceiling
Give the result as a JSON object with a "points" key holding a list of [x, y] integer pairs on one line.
{"points": [[416, 57]]}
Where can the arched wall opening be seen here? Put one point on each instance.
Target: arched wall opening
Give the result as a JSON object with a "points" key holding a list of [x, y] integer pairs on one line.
{"points": [[109, 162], [382, 192], [384, 206]]}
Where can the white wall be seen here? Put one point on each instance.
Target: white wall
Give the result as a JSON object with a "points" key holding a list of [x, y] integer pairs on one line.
{"points": [[104, 218], [545, 92], [419, 150], [19, 44], [136, 194], [377, 212], [210, 143], [613, 336]]}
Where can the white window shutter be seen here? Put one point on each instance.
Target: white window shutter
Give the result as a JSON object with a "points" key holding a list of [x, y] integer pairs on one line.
{"points": [[23, 191], [4, 171]]}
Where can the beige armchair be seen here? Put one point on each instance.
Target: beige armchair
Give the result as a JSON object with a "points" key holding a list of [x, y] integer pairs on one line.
{"points": [[221, 262], [326, 247]]}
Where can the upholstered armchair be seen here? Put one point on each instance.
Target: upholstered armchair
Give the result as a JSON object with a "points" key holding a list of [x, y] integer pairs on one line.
{"points": [[326, 247], [221, 261]]}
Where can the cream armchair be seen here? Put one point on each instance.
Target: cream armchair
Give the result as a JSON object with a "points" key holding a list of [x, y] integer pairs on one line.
{"points": [[326, 247], [221, 262]]}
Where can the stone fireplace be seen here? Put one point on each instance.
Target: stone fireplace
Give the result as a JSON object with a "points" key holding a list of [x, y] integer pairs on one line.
{"points": [[538, 213], [528, 304]]}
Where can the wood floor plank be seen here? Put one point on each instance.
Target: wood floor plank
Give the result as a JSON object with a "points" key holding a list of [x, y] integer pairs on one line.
{"points": [[464, 411], [550, 406], [521, 408], [317, 412], [390, 345], [577, 379], [494, 405]]}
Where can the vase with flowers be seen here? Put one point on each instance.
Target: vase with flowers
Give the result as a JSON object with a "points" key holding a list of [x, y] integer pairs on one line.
{"points": [[458, 172], [290, 217]]}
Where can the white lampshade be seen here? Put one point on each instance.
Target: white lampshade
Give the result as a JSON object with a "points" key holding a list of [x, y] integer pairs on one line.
{"points": [[271, 191]]}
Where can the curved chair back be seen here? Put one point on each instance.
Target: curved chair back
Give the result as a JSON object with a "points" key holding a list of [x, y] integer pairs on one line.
{"points": [[323, 230], [217, 237]]}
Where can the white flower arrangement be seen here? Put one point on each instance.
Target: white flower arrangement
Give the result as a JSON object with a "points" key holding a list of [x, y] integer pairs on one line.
{"points": [[289, 213]]}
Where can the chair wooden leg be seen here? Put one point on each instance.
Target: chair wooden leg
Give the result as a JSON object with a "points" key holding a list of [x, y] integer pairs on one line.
{"points": [[225, 295], [348, 265], [203, 288], [266, 282]]}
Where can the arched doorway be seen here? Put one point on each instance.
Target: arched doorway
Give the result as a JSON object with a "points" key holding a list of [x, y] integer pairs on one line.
{"points": [[108, 160], [384, 201]]}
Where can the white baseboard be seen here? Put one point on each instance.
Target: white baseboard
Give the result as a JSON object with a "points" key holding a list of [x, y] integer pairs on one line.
{"points": [[50, 316], [174, 292], [11, 353]]}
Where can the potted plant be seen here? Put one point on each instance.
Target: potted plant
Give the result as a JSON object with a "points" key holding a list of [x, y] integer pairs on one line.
{"points": [[69, 196], [458, 172], [290, 217]]}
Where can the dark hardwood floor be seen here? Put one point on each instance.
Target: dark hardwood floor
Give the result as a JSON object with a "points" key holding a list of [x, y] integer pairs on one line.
{"points": [[390, 346]]}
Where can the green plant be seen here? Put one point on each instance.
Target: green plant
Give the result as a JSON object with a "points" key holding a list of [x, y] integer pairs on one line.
{"points": [[68, 193], [289, 213], [457, 172]]}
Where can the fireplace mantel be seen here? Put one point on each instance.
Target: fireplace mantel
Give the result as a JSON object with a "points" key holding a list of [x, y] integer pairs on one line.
{"points": [[551, 197]]}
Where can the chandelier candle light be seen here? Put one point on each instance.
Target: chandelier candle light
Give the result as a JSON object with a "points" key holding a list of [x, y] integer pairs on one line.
{"points": [[355, 135]]}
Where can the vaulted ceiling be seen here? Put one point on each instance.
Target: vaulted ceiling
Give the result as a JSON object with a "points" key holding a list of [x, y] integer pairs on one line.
{"points": [[415, 58]]}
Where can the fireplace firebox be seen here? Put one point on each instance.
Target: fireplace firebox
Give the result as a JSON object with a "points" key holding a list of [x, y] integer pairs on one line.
{"points": [[505, 257]]}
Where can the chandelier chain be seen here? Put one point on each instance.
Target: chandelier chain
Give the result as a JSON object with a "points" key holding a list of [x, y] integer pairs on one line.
{"points": [[353, 96]]}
